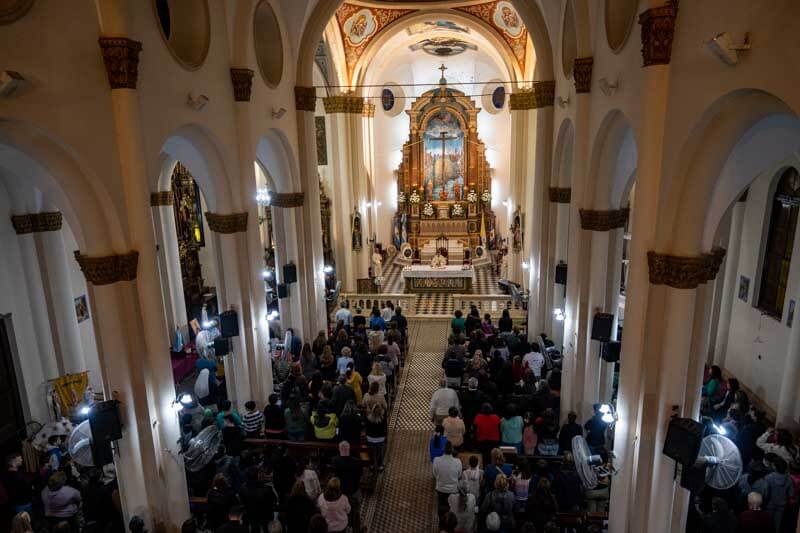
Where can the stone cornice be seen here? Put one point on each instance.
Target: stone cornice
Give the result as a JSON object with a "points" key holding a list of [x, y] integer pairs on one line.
{"points": [[108, 269], [161, 198], [287, 199], [226, 224], [582, 74], [344, 103], [658, 30], [604, 220], [542, 94], [684, 272], [121, 58], [560, 195], [369, 110], [36, 222], [305, 98], [242, 79]]}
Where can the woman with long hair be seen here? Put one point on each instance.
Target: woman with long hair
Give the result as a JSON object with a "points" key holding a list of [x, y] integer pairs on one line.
{"points": [[374, 397], [378, 376], [501, 501], [334, 506], [21, 523], [302, 508], [308, 360], [462, 505], [376, 434], [327, 365]]}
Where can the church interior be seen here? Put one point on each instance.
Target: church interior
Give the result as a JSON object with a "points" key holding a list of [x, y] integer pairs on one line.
{"points": [[453, 266]]}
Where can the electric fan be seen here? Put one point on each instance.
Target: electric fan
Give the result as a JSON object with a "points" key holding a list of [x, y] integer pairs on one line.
{"points": [[80, 444], [722, 462], [202, 448], [585, 462]]}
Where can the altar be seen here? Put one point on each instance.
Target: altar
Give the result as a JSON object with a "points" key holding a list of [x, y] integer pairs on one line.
{"points": [[451, 278]]}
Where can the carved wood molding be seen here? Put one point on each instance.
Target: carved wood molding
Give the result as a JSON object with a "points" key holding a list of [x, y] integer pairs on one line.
{"points": [[604, 220], [161, 198], [542, 94], [242, 79], [305, 98], [658, 30], [287, 199], [344, 103], [227, 224], [37, 222], [684, 272], [369, 110], [582, 73], [560, 195], [121, 58], [108, 269]]}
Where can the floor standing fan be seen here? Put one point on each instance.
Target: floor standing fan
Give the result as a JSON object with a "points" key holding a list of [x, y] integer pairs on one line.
{"points": [[80, 444], [586, 464], [722, 462], [202, 448]]}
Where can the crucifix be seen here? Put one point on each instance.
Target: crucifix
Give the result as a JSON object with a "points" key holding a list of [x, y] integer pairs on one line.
{"points": [[442, 68]]}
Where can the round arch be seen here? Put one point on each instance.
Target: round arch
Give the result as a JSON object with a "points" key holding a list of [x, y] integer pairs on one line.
{"points": [[275, 156], [562, 160], [613, 161]]}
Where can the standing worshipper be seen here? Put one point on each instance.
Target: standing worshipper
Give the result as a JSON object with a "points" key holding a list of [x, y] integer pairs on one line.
{"points": [[334, 506], [447, 472], [442, 400], [755, 519], [376, 434], [348, 470]]}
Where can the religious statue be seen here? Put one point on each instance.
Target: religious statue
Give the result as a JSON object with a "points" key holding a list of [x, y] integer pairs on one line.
{"points": [[355, 229], [377, 264], [516, 231]]}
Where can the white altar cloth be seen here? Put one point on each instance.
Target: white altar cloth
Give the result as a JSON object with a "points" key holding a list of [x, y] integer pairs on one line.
{"points": [[450, 271]]}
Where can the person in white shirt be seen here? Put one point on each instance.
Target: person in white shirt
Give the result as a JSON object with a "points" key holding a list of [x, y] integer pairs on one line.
{"points": [[344, 315], [441, 402], [387, 312], [462, 505], [535, 361], [447, 471]]}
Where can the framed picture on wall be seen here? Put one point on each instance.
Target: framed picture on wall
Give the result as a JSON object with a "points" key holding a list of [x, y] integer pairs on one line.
{"points": [[790, 314], [81, 308], [744, 288]]}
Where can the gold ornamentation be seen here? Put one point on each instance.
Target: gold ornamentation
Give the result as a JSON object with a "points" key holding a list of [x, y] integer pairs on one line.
{"points": [[305, 98], [658, 29], [343, 103], [560, 195], [36, 222], [369, 110], [242, 79], [227, 224], [582, 72], [604, 220], [121, 57], [161, 198], [684, 272], [542, 94], [287, 199], [109, 268]]}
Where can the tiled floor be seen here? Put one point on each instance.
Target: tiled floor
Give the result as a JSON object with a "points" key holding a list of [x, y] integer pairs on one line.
{"points": [[404, 498]]}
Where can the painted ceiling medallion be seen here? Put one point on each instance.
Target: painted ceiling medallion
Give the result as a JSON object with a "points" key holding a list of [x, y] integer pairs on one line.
{"points": [[505, 17], [436, 25], [359, 26], [505, 20], [443, 46]]}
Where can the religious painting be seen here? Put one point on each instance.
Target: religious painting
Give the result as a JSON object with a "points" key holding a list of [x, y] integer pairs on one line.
{"points": [[356, 231], [322, 141], [359, 26], [505, 17], [441, 25], [81, 308], [400, 230], [444, 158], [443, 46], [744, 288], [387, 99], [516, 231]]}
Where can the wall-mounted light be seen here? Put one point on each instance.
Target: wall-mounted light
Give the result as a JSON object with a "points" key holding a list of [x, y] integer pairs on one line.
{"points": [[558, 314], [328, 269], [85, 410], [525, 265], [263, 197], [608, 414]]}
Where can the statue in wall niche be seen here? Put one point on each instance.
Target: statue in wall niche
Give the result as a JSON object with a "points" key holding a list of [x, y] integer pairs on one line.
{"points": [[377, 263], [516, 231], [355, 229]]}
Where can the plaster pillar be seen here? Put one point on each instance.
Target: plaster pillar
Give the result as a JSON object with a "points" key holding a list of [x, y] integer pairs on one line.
{"points": [[559, 240], [368, 134], [170, 261], [789, 394], [730, 286], [523, 147]]}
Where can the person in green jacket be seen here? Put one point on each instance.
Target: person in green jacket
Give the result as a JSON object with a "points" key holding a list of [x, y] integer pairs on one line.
{"points": [[324, 424], [458, 322]]}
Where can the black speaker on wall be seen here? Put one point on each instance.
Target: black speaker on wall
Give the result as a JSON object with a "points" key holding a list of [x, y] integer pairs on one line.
{"points": [[229, 324], [561, 273], [290, 273], [283, 292], [610, 351], [601, 327], [683, 440], [105, 422]]}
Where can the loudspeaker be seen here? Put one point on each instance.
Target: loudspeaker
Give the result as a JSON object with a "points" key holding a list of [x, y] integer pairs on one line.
{"points": [[683, 440], [610, 351], [229, 324], [283, 292], [561, 273], [289, 273], [105, 422], [601, 327], [222, 346]]}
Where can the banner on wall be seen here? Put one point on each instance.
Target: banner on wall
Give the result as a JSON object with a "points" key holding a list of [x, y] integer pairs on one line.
{"points": [[69, 390]]}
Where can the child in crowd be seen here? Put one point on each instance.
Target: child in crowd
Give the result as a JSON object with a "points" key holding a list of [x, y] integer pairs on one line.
{"points": [[253, 420]]}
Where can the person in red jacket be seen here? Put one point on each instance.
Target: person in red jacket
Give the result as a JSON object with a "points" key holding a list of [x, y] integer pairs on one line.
{"points": [[487, 431], [755, 519]]}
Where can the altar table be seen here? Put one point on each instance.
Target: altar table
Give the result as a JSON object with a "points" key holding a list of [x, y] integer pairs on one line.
{"points": [[452, 278]]}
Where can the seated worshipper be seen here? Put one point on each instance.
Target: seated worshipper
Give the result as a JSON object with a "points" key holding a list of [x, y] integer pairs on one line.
{"points": [[500, 500], [344, 314], [453, 370], [253, 420], [720, 408], [442, 400], [438, 442], [225, 409], [454, 428], [511, 428], [568, 431], [344, 360], [496, 467], [755, 519], [596, 429], [205, 388], [447, 471], [274, 420], [463, 505], [487, 430], [350, 424], [458, 323], [324, 423], [378, 376], [334, 506]]}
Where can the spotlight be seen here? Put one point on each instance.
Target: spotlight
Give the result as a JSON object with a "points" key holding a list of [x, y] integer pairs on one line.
{"points": [[263, 197], [558, 314], [177, 407], [85, 410], [328, 269], [608, 418], [208, 324], [368, 204], [605, 408], [186, 399], [720, 429], [525, 265], [266, 274]]}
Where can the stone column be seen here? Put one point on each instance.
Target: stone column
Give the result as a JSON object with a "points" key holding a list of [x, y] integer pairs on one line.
{"points": [[523, 146], [368, 134], [658, 23], [164, 223], [729, 282], [559, 236]]}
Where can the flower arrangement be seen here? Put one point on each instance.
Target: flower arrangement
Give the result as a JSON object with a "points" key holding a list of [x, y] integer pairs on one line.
{"points": [[401, 197], [414, 198], [472, 196], [427, 209], [486, 196], [457, 210]]}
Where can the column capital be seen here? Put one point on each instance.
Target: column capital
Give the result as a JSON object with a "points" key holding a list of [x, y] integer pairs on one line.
{"points": [[242, 79], [108, 269], [542, 94], [681, 272], [658, 30], [121, 58], [604, 220], [369, 110], [161, 198], [287, 199], [560, 195], [37, 222], [305, 98], [344, 103], [582, 74], [227, 224]]}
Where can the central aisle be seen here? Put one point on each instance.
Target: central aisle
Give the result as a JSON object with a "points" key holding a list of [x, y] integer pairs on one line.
{"points": [[405, 499]]}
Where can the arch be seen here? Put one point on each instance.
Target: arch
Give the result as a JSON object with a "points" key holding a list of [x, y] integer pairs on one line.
{"points": [[274, 154], [685, 210], [562, 175], [613, 161]]}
